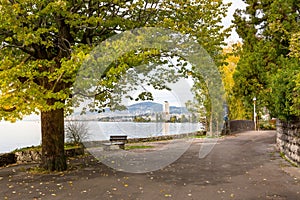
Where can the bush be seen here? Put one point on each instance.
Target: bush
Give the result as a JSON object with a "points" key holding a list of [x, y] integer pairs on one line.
{"points": [[267, 125], [76, 132]]}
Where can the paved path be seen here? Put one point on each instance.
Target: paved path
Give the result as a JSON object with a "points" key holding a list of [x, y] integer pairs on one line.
{"points": [[244, 166]]}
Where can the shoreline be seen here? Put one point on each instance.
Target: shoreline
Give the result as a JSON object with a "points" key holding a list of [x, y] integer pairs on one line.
{"points": [[89, 144]]}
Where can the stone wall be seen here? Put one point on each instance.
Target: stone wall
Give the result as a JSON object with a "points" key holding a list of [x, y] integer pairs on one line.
{"points": [[33, 156], [241, 125], [28, 156], [288, 140]]}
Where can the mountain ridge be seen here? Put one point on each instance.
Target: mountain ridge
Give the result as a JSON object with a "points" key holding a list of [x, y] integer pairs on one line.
{"points": [[155, 107]]}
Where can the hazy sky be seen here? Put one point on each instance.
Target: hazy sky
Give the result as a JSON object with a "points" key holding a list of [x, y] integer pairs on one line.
{"points": [[180, 93], [227, 21]]}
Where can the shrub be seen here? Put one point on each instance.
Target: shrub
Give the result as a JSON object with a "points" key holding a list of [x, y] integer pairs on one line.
{"points": [[76, 132], [267, 125]]}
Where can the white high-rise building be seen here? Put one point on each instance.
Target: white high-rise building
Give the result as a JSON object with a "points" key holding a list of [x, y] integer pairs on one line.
{"points": [[167, 111]]}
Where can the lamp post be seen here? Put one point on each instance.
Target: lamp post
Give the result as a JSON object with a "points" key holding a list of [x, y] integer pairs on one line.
{"points": [[254, 113]]}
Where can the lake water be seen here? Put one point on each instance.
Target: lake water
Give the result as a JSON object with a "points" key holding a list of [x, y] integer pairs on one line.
{"points": [[28, 133]]}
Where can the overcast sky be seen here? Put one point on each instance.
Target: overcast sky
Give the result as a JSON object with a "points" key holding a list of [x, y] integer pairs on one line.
{"points": [[228, 20]]}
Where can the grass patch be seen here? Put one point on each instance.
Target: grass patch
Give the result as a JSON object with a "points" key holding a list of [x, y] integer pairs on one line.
{"points": [[282, 155], [206, 137], [39, 147], [32, 148], [38, 170], [130, 147], [70, 146], [199, 136]]}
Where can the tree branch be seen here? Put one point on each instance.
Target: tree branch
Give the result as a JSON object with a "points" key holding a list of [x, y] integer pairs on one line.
{"points": [[57, 81], [8, 109]]}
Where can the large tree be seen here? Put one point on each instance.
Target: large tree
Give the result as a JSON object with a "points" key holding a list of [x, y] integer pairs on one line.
{"points": [[43, 44], [267, 69]]}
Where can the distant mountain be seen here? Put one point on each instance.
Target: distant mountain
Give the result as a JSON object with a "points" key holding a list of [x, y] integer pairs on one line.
{"points": [[148, 107], [145, 107], [151, 107]]}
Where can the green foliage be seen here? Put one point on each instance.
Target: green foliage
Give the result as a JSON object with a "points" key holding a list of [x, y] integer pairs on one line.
{"points": [[284, 86], [267, 125], [141, 119], [295, 93], [295, 45], [266, 70]]}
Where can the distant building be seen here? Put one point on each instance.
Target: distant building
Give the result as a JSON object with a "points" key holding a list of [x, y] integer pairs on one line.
{"points": [[166, 111]]}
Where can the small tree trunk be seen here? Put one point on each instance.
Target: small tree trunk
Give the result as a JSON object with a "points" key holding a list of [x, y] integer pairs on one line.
{"points": [[53, 156]]}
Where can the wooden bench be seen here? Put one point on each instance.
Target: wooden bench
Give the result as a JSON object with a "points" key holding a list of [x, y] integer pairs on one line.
{"points": [[119, 140]]}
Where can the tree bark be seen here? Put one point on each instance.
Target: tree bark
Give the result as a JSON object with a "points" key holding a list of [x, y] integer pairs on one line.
{"points": [[53, 137]]}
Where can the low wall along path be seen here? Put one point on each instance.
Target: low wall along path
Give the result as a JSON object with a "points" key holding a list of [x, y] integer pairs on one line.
{"points": [[288, 140]]}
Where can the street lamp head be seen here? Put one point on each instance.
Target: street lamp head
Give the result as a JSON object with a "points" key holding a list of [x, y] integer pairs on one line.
{"points": [[254, 98]]}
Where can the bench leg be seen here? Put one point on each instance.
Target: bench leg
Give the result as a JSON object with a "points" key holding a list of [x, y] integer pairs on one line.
{"points": [[122, 146]]}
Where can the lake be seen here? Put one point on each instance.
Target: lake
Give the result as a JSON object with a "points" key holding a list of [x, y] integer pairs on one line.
{"points": [[28, 133]]}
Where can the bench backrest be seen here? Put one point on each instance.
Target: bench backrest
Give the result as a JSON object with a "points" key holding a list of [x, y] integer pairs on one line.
{"points": [[118, 137]]}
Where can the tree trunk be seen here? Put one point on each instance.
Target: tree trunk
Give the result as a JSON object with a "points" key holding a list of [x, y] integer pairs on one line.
{"points": [[53, 156]]}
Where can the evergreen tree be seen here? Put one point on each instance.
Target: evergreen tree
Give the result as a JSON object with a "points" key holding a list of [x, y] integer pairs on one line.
{"points": [[266, 69]]}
